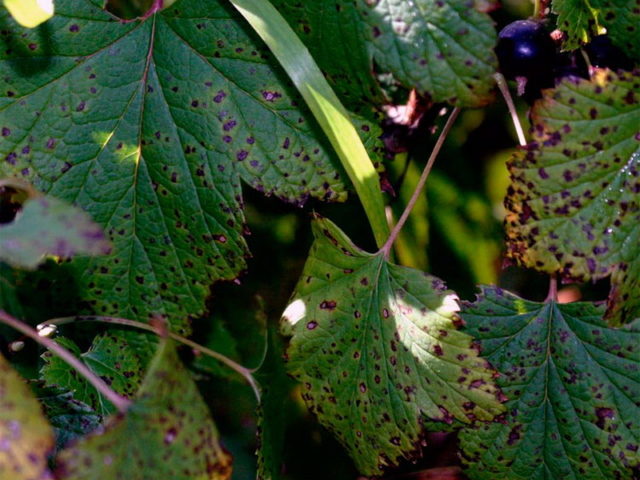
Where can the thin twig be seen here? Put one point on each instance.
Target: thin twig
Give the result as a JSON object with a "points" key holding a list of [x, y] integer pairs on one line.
{"points": [[504, 89], [386, 248], [552, 295], [118, 401], [246, 373]]}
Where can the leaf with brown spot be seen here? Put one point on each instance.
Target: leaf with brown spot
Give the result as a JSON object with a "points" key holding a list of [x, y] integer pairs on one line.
{"points": [[443, 48], [151, 126], [167, 433], [573, 385], [574, 203], [110, 357], [386, 354], [26, 438]]}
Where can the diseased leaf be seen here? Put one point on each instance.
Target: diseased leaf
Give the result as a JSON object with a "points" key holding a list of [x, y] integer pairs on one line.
{"points": [[25, 436], [48, 226], [573, 206], [150, 125], [581, 19], [573, 385], [69, 418], [110, 357], [166, 434], [443, 48], [375, 347]]}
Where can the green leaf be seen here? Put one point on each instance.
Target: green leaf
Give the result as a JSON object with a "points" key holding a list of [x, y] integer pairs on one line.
{"points": [[325, 105], [48, 226], [110, 357], [150, 125], [376, 348], [70, 418], [573, 206], [443, 48], [573, 385], [25, 436], [581, 19], [166, 434], [30, 13], [9, 301]]}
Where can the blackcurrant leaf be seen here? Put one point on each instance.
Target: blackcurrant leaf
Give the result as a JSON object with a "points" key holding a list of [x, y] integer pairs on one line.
{"points": [[574, 203], [376, 349], [573, 385]]}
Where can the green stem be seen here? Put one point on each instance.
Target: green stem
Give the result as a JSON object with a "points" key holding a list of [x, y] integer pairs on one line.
{"points": [[246, 373], [386, 248], [121, 403]]}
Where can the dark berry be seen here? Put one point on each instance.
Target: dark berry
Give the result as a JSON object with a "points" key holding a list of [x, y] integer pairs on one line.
{"points": [[525, 49], [8, 208], [570, 64], [604, 54]]}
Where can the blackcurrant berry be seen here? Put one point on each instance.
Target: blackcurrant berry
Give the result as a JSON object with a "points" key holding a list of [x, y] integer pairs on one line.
{"points": [[525, 49]]}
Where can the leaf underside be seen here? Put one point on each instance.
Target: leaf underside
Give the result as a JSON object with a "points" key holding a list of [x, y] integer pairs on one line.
{"points": [[166, 433], [573, 385], [573, 205], [376, 349], [150, 126], [25, 436]]}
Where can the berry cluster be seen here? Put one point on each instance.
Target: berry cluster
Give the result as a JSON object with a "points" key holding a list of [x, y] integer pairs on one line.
{"points": [[528, 54]]}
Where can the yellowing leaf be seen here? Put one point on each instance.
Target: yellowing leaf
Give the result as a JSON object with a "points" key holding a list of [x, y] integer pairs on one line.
{"points": [[166, 434], [25, 436], [30, 13], [376, 348]]}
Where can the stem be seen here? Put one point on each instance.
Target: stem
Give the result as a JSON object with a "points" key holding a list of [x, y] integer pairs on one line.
{"points": [[386, 248], [121, 403], [246, 373], [552, 296], [504, 89]]}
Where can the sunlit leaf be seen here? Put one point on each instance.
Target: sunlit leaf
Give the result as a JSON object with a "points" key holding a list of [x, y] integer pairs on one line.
{"points": [[166, 434], [150, 125], [376, 348], [574, 203], [573, 385], [48, 226], [25, 436], [30, 13]]}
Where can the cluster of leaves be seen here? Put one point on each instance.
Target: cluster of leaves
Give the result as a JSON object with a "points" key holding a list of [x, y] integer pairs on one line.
{"points": [[137, 136]]}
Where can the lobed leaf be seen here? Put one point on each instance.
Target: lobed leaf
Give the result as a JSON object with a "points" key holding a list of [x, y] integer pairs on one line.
{"points": [[443, 48], [376, 349], [47, 226], [150, 125], [580, 20], [573, 385], [110, 357], [574, 203], [166, 433], [26, 438]]}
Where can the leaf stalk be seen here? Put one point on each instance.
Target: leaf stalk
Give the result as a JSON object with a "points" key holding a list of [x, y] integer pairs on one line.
{"points": [[121, 403]]}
